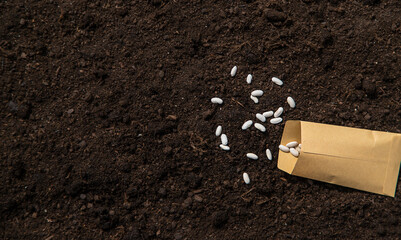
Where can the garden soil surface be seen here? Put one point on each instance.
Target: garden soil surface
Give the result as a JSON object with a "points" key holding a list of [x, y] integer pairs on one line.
{"points": [[107, 129]]}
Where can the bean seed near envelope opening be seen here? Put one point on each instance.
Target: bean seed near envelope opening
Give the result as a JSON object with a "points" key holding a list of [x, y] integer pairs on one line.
{"points": [[284, 148], [292, 144]]}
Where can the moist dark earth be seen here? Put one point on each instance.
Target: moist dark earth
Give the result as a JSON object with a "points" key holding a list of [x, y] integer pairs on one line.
{"points": [[107, 129]]}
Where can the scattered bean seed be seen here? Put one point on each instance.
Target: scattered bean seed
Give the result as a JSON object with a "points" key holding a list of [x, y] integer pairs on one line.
{"points": [[268, 114], [217, 100], [249, 79], [269, 154], [224, 147], [278, 113], [260, 117], [252, 156], [298, 149], [246, 178], [260, 127], [218, 130], [294, 152], [257, 93], [300, 145], [224, 139], [234, 71], [254, 99], [292, 144], [291, 102], [284, 148], [277, 81], [276, 120], [247, 124]]}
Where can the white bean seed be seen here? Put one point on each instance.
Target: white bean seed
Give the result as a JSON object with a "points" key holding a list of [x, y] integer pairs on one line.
{"points": [[224, 139], [254, 99], [300, 145], [278, 113], [234, 71], [249, 79], [217, 100], [268, 114], [260, 127], [294, 152], [292, 144], [269, 154], [252, 156], [277, 81], [246, 178], [298, 149], [276, 120], [284, 148], [224, 147], [257, 93], [247, 124], [218, 130], [260, 117], [291, 102]]}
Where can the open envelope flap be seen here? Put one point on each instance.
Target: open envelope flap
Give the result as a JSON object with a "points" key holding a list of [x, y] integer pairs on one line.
{"points": [[292, 132]]}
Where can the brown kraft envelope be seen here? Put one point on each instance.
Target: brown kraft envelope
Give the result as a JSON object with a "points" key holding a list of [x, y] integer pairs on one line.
{"points": [[357, 158]]}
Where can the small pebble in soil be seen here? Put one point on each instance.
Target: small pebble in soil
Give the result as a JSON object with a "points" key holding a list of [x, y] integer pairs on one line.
{"points": [[247, 124], [246, 178], [294, 152], [234, 71], [269, 154], [219, 129], [278, 113], [284, 148], [257, 93], [224, 147], [277, 81], [224, 139], [276, 120], [249, 79], [252, 156], [217, 100], [268, 114], [260, 127], [260, 117], [254, 99], [292, 144], [291, 102]]}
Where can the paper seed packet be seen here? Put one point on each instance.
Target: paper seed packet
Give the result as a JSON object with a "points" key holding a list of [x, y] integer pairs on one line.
{"points": [[357, 158]]}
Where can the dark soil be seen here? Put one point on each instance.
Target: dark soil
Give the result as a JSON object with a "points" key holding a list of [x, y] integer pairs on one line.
{"points": [[107, 130]]}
